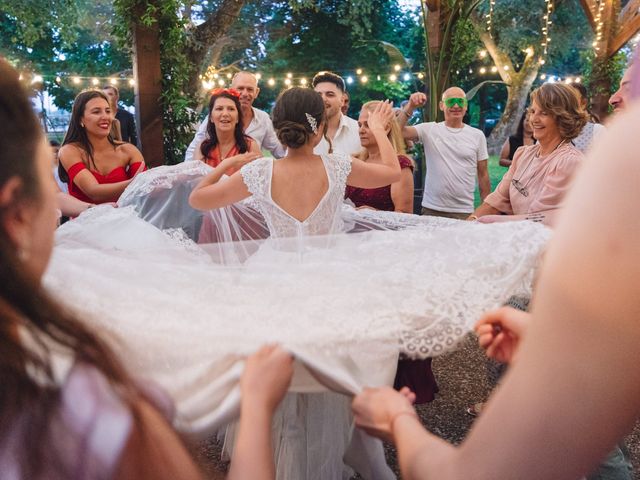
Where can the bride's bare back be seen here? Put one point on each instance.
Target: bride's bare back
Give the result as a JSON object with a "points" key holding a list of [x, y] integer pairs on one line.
{"points": [[298, 186]]}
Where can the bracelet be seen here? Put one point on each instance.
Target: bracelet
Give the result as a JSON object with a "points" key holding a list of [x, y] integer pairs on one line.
{"points": [[411, 413]]}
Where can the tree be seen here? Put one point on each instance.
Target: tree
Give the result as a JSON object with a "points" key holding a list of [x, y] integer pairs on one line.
{"points": [[444, 24], [516, 46]]}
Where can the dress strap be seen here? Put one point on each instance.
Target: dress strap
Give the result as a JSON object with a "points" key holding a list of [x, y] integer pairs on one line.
{"points": [[134, 167], [256, 176], [75, 169]]}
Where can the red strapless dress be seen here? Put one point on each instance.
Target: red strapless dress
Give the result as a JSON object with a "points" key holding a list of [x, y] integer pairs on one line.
{"points": [[118, 174]]}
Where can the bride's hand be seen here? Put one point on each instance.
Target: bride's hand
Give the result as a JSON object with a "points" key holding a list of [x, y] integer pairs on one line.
{"points": [[238, 161], [380, 118]]}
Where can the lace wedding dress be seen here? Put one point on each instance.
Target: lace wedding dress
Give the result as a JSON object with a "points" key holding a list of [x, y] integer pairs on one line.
{"points": [[345, 291]]}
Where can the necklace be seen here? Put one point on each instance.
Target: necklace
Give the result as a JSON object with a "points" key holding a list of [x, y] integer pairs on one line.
{"points": [[518, 185]]}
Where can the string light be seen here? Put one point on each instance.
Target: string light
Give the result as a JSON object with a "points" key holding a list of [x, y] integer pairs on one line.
{"points": [[393, 77], [547, 23], [95, 81], [364, 79], [396, 68], [359, 71], [303, 81], [349, 80], [482, 53], [271, 82], [599, 4], [489, 16]]}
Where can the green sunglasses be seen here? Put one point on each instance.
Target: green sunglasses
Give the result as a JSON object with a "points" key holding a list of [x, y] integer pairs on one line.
{"points": [[450, 102]]}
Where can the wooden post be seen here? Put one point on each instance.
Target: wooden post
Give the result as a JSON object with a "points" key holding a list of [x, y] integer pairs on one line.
{"points": [[619, 25], [148, 87]]}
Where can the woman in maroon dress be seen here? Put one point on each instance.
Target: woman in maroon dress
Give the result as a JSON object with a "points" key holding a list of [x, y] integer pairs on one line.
{"points": [[397, 197]]}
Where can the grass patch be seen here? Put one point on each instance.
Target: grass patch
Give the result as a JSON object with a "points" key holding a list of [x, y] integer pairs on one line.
{"points": [[495, 175]]}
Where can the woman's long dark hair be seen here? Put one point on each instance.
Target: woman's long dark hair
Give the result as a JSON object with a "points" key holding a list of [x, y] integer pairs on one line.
{"points": [[77, 134], [30, 396], [520, 131], [211, 141]]}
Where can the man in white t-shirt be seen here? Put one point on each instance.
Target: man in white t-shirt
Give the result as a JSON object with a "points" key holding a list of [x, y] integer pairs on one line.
{"points": [[256, 123], [455, 156], [341, 130]]}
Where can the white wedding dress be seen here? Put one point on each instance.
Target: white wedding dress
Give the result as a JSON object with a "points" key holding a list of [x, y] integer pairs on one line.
{"points": [[345, 304]]}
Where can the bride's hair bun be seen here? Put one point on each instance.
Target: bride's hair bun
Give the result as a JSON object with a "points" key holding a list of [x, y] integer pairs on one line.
{"points": [[297, 115], [292, 134]]}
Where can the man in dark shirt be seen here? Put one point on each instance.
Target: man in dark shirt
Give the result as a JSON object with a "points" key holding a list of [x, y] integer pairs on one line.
{"points": [[126, 119]]}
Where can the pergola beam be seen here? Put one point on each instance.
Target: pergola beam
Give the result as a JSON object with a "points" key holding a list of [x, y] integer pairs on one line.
{"points": [[626, 33], [591, 15]]}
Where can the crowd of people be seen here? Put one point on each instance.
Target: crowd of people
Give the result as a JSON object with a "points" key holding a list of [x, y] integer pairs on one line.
{"points": [[578, 343]]}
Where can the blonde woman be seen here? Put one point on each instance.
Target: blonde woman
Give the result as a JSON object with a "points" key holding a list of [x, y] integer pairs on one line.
{"points": [[397, 197]]}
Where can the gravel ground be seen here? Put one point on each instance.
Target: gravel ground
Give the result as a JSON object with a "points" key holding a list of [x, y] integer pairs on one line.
{"points": [[463, 379]]}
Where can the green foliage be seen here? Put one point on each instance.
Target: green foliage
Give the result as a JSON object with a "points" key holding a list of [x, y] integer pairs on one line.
{"points": [[77, 40], [611, 71], [177, 114], [307, 37]]}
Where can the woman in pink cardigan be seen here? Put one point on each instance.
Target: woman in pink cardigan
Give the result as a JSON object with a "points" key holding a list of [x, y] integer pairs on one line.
{"points": [[534, 186]]}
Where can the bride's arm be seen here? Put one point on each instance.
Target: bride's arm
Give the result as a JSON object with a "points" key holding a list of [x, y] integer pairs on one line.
{"points": [[210, 194], [371, 175]]}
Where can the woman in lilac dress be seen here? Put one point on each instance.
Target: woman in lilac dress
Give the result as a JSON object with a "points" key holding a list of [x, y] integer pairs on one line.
{"points": [[397, 197], [68, 408]]}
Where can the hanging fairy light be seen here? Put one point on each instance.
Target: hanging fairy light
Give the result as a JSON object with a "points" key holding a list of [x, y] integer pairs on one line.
{"points": [[547, 23], [599, 7], [489, 17]]}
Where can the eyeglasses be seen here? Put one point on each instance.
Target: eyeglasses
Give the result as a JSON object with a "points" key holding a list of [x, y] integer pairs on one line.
{"points": [[451, 101], [229, 91], [520, 187]]}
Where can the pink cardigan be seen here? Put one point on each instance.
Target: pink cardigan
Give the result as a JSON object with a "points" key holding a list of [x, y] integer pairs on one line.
{"points": [[546, 179]]}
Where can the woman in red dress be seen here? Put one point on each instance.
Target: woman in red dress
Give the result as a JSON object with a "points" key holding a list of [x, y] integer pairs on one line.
{"points": [[397, 197], [96, 167], [225, 137]]}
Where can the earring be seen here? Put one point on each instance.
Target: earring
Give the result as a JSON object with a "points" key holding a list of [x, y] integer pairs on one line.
{"points": [[82, 125]]}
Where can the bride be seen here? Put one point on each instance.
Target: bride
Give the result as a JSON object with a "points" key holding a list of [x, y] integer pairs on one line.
{"points": [[345, 305]]}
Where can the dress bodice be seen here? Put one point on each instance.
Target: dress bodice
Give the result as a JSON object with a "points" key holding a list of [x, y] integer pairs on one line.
{"points": [[325, 218]]}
